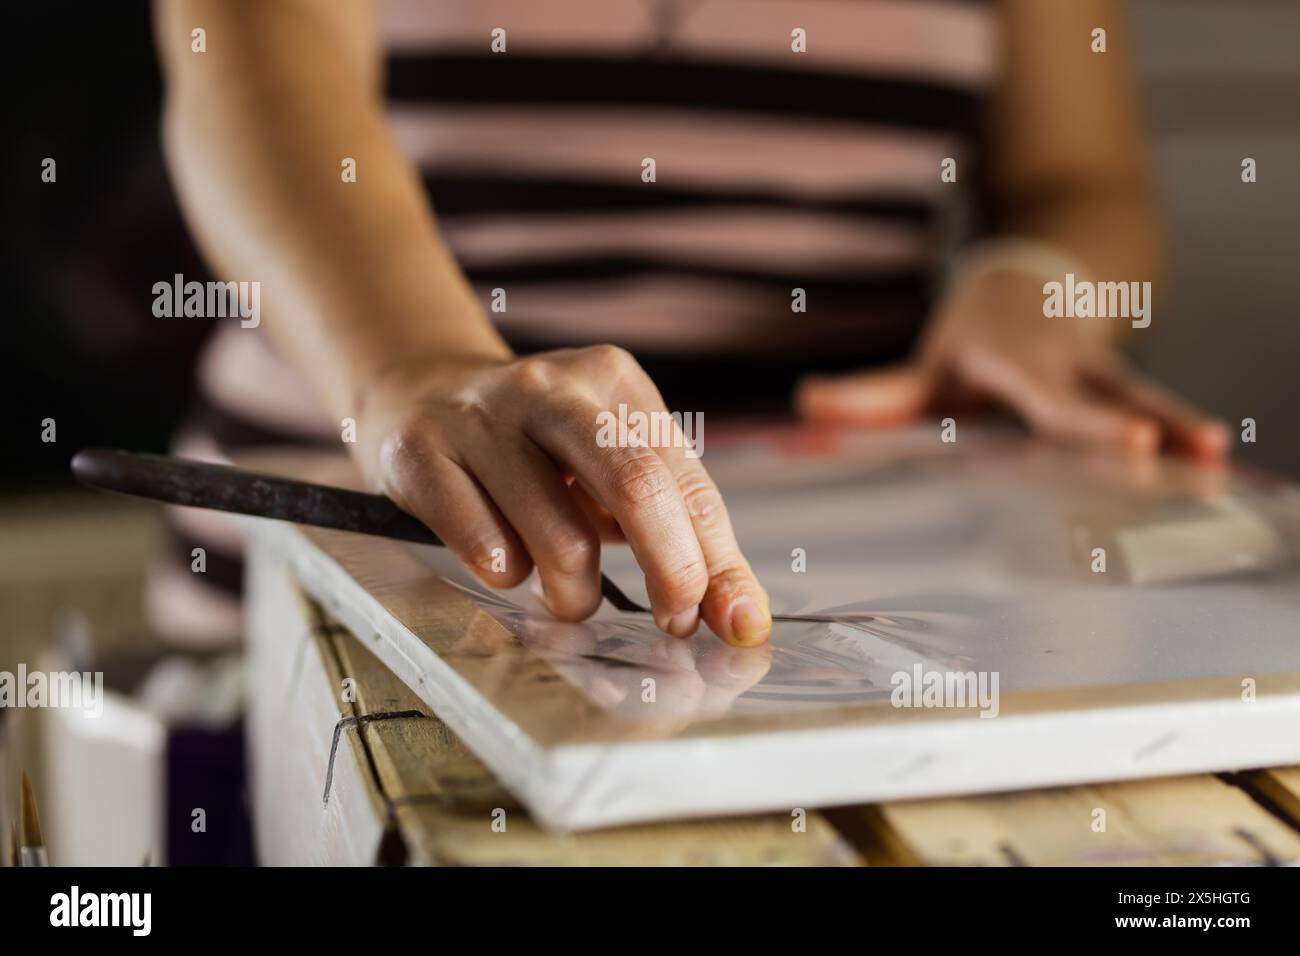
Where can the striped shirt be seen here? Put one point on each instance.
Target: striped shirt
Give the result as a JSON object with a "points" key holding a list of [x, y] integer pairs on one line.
{"points": [[774, 170]]}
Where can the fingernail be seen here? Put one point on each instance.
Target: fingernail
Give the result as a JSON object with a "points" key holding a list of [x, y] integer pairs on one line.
{"points": [[750, 622], [1142, 438], [1215, 436], [684, 623]]}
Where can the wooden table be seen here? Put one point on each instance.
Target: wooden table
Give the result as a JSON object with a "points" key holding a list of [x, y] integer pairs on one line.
{"points": [[350, 767]]}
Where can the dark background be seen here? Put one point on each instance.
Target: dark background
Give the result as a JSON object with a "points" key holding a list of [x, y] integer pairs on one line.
{"points": [[1221, 81], [82, 254]]}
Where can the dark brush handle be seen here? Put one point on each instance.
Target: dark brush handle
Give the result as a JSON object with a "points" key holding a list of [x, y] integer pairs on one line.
{"points": [[224, 488], [198, 484]]}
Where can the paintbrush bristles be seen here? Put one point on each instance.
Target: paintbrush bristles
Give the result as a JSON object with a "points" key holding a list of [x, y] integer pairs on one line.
{"points": [[14, 859], [31, 835]]}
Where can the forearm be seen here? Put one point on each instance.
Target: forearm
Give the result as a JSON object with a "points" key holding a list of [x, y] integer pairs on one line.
{"points": [[354, 276], [1113, 235], [1067, 165]]}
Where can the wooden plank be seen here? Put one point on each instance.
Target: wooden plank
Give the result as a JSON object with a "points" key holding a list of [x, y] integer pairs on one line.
{"points": [[417, 758], [457, 839], [1278, 789], [1184, 821], [446, 801]]}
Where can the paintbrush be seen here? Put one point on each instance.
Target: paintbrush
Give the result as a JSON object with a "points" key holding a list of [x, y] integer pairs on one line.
{"points": [[197, 484], [15, 858], [31, 849]]}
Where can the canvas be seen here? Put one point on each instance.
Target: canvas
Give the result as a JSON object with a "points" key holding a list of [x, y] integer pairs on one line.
{"points": [[987, 614]]}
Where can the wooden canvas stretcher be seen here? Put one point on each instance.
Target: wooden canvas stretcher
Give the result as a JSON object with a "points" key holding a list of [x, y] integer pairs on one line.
{"points": [[977, 560]]}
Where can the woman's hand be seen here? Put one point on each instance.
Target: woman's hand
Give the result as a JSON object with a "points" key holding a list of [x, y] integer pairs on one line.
{"points": [[500, 458], [990, 342]]}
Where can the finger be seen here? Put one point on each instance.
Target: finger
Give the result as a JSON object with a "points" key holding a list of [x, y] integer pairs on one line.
{"points": [[735, 606], [457, 509], [637, 488], [596, 513], [1188, 430], [1056, 407], [891, 396], [530, 492], [1073, 418]]}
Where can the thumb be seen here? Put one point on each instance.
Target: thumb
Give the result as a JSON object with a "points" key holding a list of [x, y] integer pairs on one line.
{"points": [[890, 396]]}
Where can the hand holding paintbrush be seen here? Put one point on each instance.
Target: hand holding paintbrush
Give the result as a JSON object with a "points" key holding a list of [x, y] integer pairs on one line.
{"points": [[198, 484]]}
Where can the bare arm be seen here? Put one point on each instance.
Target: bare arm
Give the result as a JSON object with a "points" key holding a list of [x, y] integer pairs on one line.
{"points": [[498, 455], [1068, 163], [255, 131]]}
